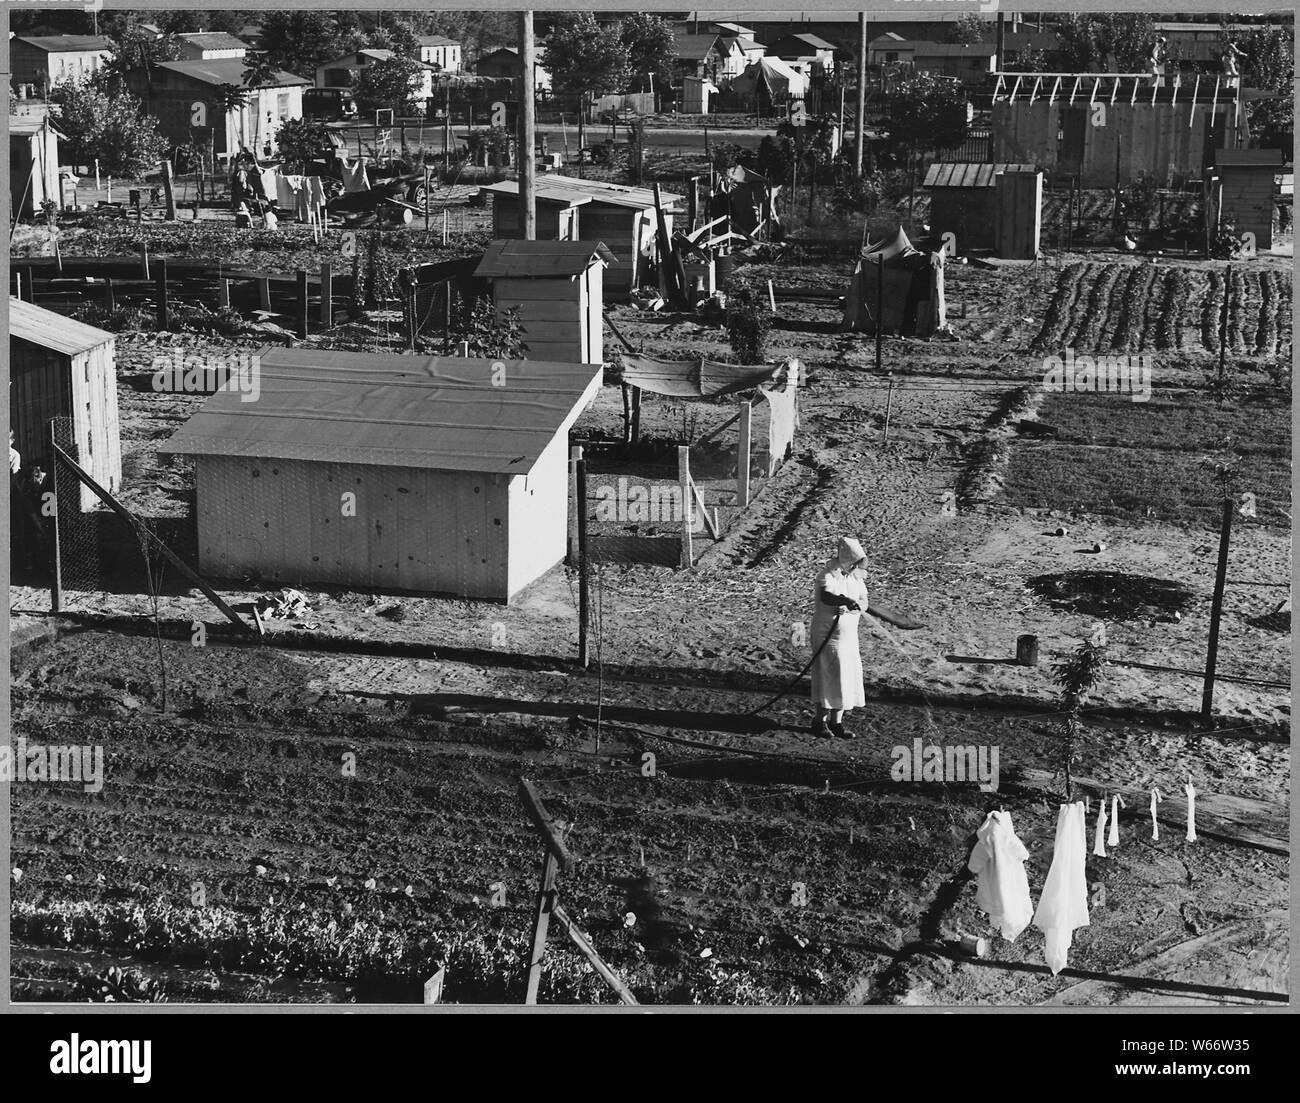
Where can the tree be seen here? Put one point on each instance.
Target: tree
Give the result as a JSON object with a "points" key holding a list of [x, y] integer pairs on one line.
{"points": [[967, 30], [929, 112], [395, 35], [748, 320], [301, 142], [1095, 41], [1270, 64], [108, 126], [651, 48], [581, 56], [297, 42], [392, 82], [137, 48], [1078, 676]]}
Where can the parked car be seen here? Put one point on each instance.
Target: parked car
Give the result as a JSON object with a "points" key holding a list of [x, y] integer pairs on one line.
{"points": [[328, 105]]}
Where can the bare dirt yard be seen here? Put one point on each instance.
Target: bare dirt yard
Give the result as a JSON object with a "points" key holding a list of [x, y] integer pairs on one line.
{"points": [[332, 814]]}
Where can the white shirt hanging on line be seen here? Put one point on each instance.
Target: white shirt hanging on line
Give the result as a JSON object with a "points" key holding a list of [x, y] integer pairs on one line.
{"points": [[1099, 839], [1113, 841], [1191, 811], [1064, 903], [998, 859], [1155, 827]]}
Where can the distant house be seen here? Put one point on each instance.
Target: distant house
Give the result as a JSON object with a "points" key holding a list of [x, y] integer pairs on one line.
{"points": [[805, 53], [441, 52], [741, 52], [341, 72], [504, 62], [45, 60], [180, 92], [701, 55], [946, 59], [210, 45]]}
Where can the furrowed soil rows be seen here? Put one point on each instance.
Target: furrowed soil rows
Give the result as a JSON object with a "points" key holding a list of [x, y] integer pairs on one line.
{"points": [[1248, 309], [1128, 334], [1266, 327], [1061, 311], [1235, 300], [1119, 292], [1212, 312], [1090, 319]]}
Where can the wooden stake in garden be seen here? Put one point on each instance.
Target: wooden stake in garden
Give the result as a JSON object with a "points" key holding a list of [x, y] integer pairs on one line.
{"points": [[558, 860], [1216, 609]]}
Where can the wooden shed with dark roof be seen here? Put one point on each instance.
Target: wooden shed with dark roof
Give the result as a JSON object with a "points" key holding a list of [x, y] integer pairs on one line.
{"points": [[1245, 190], [963, 201], [558, 288], [62, 368], [389, 472]]}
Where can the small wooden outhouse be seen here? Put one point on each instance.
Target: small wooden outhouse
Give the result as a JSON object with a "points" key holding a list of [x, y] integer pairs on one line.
{"points": [[558, 287]]}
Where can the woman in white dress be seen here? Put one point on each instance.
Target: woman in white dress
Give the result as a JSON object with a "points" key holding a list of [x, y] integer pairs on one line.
{"points": [[837, 672]]}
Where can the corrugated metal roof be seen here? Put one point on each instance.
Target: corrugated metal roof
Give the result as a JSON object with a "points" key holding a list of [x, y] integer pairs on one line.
{"points": [[437, 413], [575, 192], [957, 174], [435, 40], [540, 259], [52, 331], [227, 70], [66, 43]]}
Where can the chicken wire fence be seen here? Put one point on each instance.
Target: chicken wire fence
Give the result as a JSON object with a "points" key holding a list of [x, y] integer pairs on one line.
{"points": [[93, 549]]}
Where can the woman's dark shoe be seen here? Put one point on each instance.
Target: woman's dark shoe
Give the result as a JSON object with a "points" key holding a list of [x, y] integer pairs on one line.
{"points": [[820, 730], [839, 731]]}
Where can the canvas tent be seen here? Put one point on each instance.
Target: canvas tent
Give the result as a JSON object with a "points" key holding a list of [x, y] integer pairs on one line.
{"points": [[769, 80], [911, 300]]}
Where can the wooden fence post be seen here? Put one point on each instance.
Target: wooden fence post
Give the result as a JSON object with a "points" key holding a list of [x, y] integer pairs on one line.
{"points": [[326, 295], [223, 293], [264, 292], [302, 303], [164, 313], [584, 565], [742, 453], [56, 581], [110, 299], [169, 191], [688, 504], [1216, 610]]}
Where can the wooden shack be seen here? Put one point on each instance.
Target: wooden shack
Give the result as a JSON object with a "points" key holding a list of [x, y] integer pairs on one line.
{"points": [[59, 367], [558, 287], [963, 201], [623, 218], [1018, 226], [1109, 128], [1245, 191], [389, 472], [33, 164]]}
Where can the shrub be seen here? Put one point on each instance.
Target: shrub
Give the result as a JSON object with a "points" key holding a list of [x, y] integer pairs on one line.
{"points": [[489, 335], [747, 324], [110, 126]]}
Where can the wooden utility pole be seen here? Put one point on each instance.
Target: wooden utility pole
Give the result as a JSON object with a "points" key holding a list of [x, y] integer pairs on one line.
{"points": [[1216, 610], [527, 131], [1002, 42], [1224, 315], [860, 122], [169, 191]]}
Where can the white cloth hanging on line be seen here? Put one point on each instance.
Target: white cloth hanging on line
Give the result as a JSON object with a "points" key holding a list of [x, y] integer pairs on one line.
{"points": [[1113, 840], [1191, 811], [1099, 839], [1155, 827], [998, 859], [1064, 904]]}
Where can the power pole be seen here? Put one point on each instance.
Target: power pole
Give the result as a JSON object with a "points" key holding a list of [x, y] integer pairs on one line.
{"points": [[1002, 41], [1216, 611], [527, 131], [860, 139]]}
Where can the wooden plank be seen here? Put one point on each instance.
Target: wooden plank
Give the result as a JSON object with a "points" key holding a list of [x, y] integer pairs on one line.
{"points": [[704, 510], [589, 952], [684, 483], [542, 821], [745, 415], [541, 923]]}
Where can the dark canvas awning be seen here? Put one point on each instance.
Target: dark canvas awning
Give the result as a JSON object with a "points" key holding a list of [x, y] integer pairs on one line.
{"points": [[693, 378]]}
